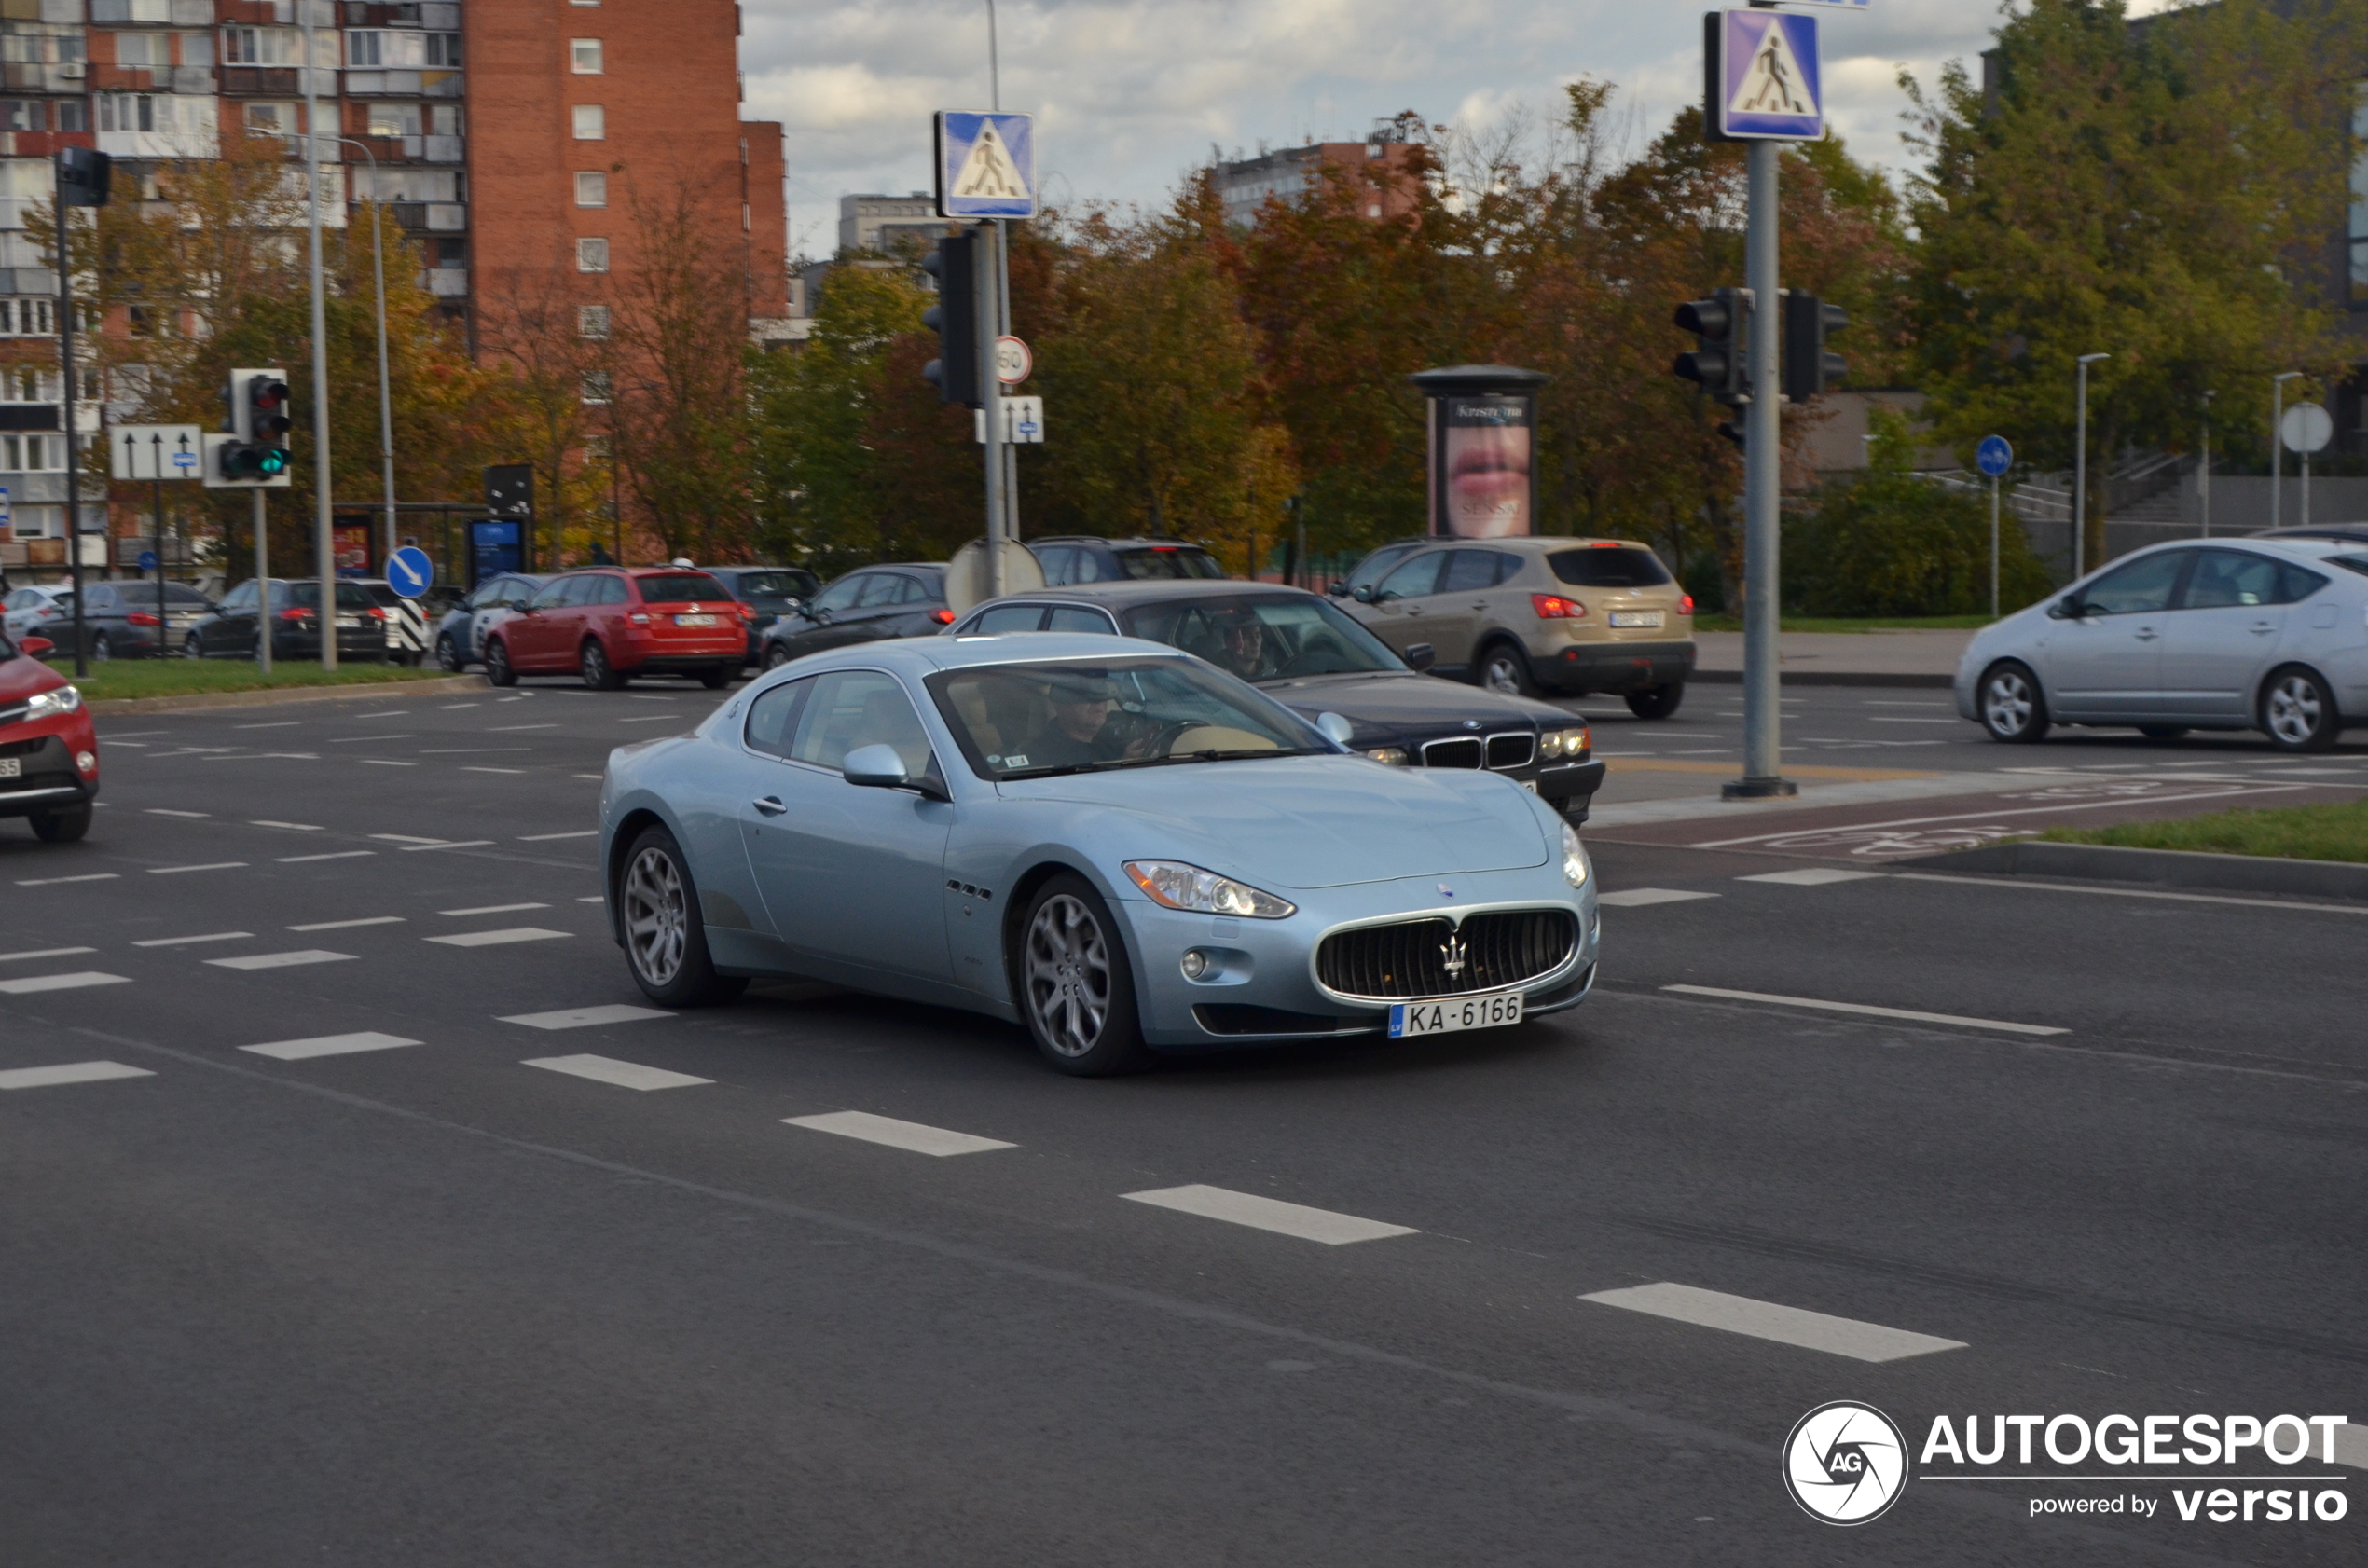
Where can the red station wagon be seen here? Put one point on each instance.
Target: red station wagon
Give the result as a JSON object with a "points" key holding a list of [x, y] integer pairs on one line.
{"points": [[610, 624]]}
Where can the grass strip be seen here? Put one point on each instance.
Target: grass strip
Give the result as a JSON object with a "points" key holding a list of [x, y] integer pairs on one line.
{"points": [[2293, 833], [170, 678]]}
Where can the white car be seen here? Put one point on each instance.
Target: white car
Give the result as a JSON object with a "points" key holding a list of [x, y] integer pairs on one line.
{"points": [[27, 610], [2234, 634]]}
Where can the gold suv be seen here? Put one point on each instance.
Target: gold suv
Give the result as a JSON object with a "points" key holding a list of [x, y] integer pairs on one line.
{"points": [[1526, 616]]}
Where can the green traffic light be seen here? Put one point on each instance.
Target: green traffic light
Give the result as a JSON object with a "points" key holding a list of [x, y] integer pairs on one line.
{"points": [[273, 461]]}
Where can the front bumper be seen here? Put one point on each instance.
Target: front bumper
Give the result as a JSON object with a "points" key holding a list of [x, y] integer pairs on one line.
{"points": [[47, 779], [1614, 666]]}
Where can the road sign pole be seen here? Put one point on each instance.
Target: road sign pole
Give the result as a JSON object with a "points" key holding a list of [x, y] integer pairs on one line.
{"points": [[990, 395], [164, 622], [1993, 547], [262, 588], [1763, 457]]}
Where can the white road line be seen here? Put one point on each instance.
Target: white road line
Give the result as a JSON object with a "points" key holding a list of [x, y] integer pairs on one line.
{"points": [[452, 707], [280, 960], [462, 844], [361, 739], [1898, 702], [349, 925], [1766, 1320], [211, 865], [1811, 876], [648, 718], [68, 1072], [2127, 892], [390, 713], [1893, 718], [1863, 1009], [625, 1075], [340, 855], [405, 838], [327, 1045], [183, 942], [546, 838], [61, 881], [497, 938], [48, 953], [490, 909], [912, 1136], [275, 724], [1269, 1214], [2351, 1445], [167, 811], [509, 729], [291, 827], [381, 761], [1638, 898], [35, 983], [468, 769], [587, 776], [597, 897], [585, 1017]]}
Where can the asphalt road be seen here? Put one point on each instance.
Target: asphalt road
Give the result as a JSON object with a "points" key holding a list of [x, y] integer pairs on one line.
{"points": [[450, 1299]]}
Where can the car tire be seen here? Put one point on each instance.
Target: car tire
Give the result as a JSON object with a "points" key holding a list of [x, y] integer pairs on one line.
{"points": [[497, 663], [191, 648], [2297, 711], [2012, 706], [2162, 732], [447, 655], [62, 827], [1076, 988], [715, 679], [1503, 668], [665, 939], [1657, 701], [776, 657], [592, 662]]}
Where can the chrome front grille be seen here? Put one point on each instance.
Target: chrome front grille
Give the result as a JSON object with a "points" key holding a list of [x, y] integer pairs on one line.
{"points": [[1437, 958], [1463, 752], [1511, 751]]}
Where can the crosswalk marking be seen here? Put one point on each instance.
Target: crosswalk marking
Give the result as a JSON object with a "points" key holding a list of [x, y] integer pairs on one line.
{"points": [[280, 960], [585, 1017], [1766, 1320], [497, 938], [1811, 876], [340, 855], [490, 909], [1862, 1010], [327, 1045], [213, 865], [606, 1069], [183, 942], [61, 881], [1638, 898], [68, 1072], [32, 984], [291, 827], [1269, 1214], [462, 844], [349, 925], [45, 952], [167, 811], [911, 1135]]}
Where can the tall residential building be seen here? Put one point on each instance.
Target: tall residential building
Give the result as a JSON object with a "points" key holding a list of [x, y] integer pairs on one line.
{"points": [[878, 223], [1378, 165]]}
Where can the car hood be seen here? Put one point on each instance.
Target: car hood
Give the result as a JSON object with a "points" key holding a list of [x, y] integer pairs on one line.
{"points": [[23, 676], [1301, 822], [1413, 703]]}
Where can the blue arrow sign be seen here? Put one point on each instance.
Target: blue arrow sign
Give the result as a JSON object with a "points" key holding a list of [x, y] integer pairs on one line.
{"points": [[409, 571], [1768, 84], [147, 561], [1994, 456], [985, 165]]}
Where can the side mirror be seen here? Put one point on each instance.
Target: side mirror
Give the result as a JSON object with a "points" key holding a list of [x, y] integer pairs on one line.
{"points": [[1363, 593], [38, 647], [1336, 729], [876, 767], [2068, 608], [1420, 656], [1336, 588]]}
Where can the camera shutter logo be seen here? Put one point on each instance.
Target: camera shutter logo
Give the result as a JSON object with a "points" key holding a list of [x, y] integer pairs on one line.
{"points": [[1845, 1463]]}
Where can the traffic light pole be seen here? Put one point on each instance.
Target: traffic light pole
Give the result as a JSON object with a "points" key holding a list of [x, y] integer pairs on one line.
{"points": [[262, 588], [990, 394], [324, 534], [65, 422], [1763, 462]]}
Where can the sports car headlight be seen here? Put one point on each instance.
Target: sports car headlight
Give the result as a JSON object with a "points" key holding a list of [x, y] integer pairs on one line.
{"points": [[1562, 743], [1177, 886], [49, 705], [1573, 858], [1388, 756]]}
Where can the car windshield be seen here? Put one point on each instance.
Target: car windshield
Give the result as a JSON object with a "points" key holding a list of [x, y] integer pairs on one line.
{"points": [[1162, 562], [1266, 637], [1609, 566], [688, 587], [773, 590], [1033, 720]]}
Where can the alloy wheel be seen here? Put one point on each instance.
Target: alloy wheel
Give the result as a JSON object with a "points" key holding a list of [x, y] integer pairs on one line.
{"points": [[656, 916], [2006, 703], [1068, 975], [2294, 710]]}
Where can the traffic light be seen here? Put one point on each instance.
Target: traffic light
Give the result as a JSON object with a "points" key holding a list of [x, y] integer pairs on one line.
{"points": [[257, 451], [83, 177], [1718, 362], [954, 319], [1808, 369]]}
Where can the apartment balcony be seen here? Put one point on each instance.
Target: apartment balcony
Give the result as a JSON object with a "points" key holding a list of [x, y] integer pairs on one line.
{"points": [[44, 78], [448, 283], [413, 149], [403, 83], [197, 80], [116, 13], [431, 217], [437, 16], [263, 81], [42, 143]]}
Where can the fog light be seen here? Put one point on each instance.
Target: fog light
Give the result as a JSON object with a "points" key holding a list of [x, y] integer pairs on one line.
{"points": [[1195, 964], [87, 760]]}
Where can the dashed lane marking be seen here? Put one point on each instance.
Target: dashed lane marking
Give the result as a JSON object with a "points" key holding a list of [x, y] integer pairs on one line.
{"points": [[405, 838], [585, 1017], [280, 960], [167, 811], [1269, 1214], [648, 718], [1766, 1320], [211, 865], [381, 761], [512, 729], [327, 1045], [546, 838], [597, 897], [512, 770], [1638, 898], [68, 1072], [363, 739], [606, 1069], [497, 938], [349, 925], [338, 855], [183, 942], [2127, 892], [32, 984], [1862, 1010], [1811, 876], [455, 706], [45, 953], [291, 827], [474, 750], [490, 909], [274, 724], [912, 1137], [61, 881], [461, 843], [1900, 719], [390, 713]]}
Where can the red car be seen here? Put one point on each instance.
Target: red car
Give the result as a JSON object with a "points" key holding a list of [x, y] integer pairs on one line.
{"points": [[612, 624], [48, 750]]}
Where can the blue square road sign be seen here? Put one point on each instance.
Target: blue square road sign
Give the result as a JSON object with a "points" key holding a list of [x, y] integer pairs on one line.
{"points": [[985, 165]]}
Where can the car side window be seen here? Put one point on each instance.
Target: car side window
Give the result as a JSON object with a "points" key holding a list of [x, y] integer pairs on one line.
{"points": [[841, 593], [773, 717], [1008, 617], [852, 709], [880, 589], [1416, 578], [1070, 618], [2297, 583], [488, 595], [1374, 566], [1468, 570], [550, 596], [1060, 565], [101, 598], [2226, 578], [1088, 568], [2142, 587], [582, 590], [911, 590], [241, 599], [612, 591]]}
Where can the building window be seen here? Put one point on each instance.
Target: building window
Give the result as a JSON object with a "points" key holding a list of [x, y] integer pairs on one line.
{"points": [[22, 114], [591, 321], [395, 120], [71, 114], [269, 119], [262, 45], [147, 50], [402, 49], [33, 317], [583, 56], [32, 454], [2359, 195], [595, 387], [591, 123], [591, 255], [592, 191]]}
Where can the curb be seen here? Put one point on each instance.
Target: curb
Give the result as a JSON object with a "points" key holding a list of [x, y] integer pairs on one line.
{"points": [[275, 696], [1828, 677], [2167, 868]]}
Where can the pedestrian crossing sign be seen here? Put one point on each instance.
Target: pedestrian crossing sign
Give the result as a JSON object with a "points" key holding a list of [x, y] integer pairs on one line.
{"points": [[1764, 77], [985, 165]]}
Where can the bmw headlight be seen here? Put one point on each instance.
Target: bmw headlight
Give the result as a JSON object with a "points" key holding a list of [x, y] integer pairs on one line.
{"points": [[50, 704], [1177, 886], [1573, 858], [1388, 756], [1562, 743]]}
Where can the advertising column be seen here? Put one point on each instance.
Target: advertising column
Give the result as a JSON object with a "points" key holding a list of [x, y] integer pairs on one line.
{"points": [[1483, 421]]}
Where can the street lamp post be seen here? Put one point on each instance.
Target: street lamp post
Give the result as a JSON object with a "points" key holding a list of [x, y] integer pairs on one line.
{"points": [[2277, 439], [2080, 471], [324, 534], [2203, 471]]}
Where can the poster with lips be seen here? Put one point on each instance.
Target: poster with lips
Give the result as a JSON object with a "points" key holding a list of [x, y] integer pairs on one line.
{"points": [[1480, 471]]}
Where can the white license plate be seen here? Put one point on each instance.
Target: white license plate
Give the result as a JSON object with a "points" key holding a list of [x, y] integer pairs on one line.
{"points": [[11, 767], [347, 622], [697, 620], [1636, 617], [1447, 1015]]}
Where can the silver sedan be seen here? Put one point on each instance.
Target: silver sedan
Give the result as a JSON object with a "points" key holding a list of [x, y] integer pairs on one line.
{"points": [[2262, 634], [1117, 845]]}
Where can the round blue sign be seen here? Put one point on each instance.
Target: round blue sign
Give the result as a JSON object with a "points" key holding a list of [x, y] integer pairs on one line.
{"points": [[147, 561], [1994, 456], [409, 571]]}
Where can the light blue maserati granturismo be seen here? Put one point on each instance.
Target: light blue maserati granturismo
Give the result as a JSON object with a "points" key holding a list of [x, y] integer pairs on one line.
{"points": [[1120, 845]]}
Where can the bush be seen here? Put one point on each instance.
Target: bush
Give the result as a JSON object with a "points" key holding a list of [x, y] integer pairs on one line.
{"points": [[1886, 543]]}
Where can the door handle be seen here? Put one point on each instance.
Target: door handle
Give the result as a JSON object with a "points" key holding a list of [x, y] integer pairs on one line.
{"points": [[2145, 633], [770, 804], [2261, 630]]}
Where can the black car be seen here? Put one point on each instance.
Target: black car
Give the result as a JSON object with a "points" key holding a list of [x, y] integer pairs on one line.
{"points": [[867, 606], [1069, 559], [120, 619], [771, 591], [294, 616], [1305, 653]]}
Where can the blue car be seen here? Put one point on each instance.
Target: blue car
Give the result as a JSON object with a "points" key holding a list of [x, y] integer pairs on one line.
{"points": [[1116, 844]]}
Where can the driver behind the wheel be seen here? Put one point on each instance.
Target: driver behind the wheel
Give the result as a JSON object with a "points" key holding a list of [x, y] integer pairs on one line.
{"points": [[1079, 731], [1242, 644]]}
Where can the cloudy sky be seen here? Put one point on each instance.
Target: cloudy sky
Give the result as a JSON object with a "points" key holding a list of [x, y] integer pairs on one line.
{"points": [[1129, 94]]}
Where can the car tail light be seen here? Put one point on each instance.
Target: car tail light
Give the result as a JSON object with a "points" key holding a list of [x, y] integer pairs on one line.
{"points": [[943, 617], [375, 613], [295, 615], [746, 613], [142, 618], [1685, 605], [1554, 607]]}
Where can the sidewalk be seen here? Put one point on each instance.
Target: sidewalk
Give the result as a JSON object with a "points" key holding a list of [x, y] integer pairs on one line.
{"points": [[1871, 658]]}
